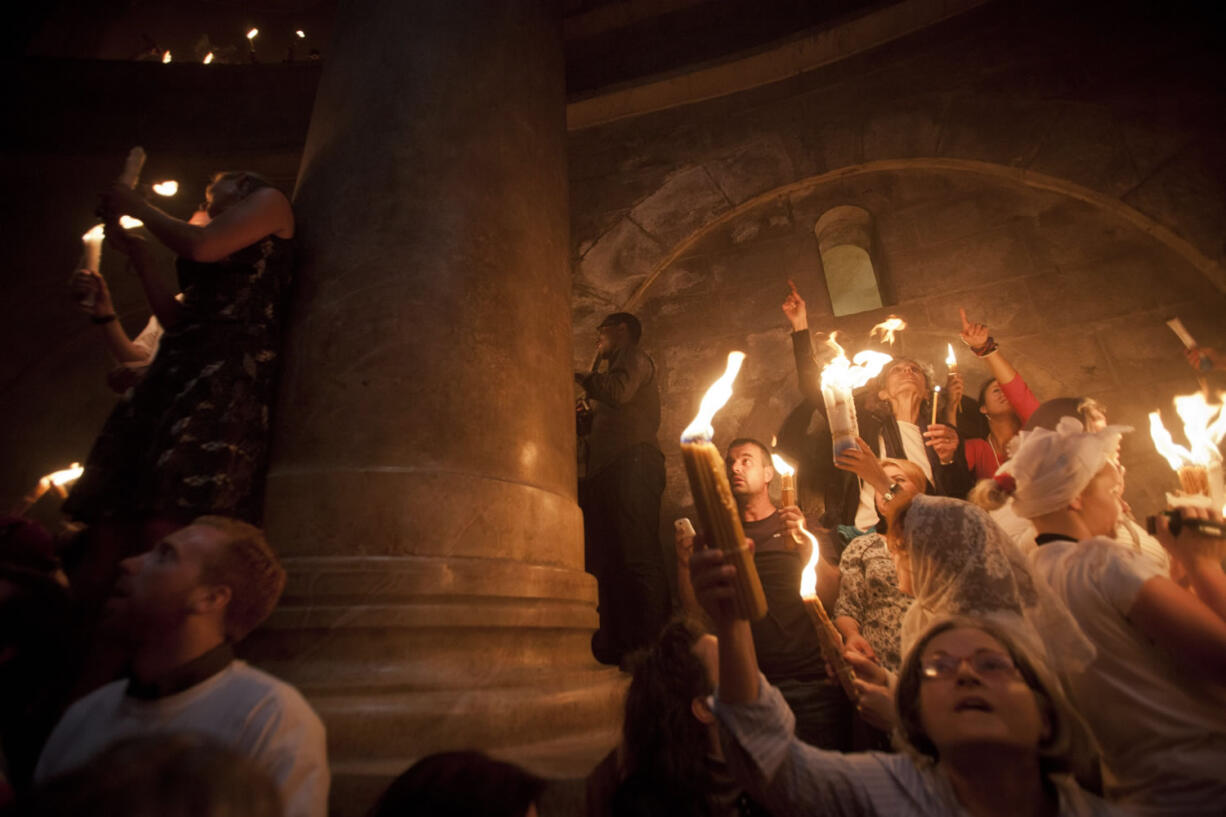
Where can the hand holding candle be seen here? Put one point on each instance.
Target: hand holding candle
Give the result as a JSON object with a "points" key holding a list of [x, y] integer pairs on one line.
{"points": [[829, 638], [712, 494], [787, 488]]}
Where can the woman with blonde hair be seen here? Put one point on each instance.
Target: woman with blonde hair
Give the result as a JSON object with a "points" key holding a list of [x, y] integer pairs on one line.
{"points": [[986, 730]]}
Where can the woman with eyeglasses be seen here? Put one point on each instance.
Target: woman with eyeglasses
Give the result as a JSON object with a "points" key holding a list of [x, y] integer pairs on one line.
{"points": [[984, 728], [1155, 696]]}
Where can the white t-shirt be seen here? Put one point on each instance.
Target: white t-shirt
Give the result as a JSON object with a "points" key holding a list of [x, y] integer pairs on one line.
{"points": [[254, 713], [913, 447], [1162, 732]]}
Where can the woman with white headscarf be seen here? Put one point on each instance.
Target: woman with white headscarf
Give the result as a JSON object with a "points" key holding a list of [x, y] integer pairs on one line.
{"points": [[955, 560], [1155, 695]]}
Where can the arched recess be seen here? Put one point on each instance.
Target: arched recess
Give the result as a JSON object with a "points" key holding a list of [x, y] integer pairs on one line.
{"points": [[1212, 270], [845, 244]]}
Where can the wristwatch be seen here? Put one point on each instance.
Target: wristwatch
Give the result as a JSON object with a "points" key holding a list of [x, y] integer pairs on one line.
{"points": [[892, 492]]}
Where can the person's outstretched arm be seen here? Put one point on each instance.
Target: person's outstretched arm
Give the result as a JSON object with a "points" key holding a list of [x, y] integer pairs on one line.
{"points": [[975, 335], [93, 296], [264, 212]]}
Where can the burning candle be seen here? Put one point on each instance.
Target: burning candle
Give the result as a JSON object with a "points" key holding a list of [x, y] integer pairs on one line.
{"points": [[92, 244], [787, 480], [713, 496], [787, 487], [1199, 466], [839, 379], [208, 58], [936, 398], [166, 57], [827, 635], [301, 34], [166, 188], [951, 362], [56, 479]]}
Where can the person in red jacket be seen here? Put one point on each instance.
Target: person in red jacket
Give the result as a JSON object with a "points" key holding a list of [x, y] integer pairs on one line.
{"points": [[1005, 400]]}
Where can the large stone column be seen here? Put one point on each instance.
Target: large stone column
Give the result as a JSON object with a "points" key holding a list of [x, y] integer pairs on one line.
{"points": [[422, 490]]}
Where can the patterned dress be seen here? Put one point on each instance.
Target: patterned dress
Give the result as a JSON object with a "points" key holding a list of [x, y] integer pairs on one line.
{"points": [[192, 437], [868, 593]]}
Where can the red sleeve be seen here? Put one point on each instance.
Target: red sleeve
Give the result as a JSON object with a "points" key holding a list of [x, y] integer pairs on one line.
{"points": [[1020, 397], [980, 459]]}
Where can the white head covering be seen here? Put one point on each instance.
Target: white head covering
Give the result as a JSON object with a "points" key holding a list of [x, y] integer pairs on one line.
{"points": [[1050, 468], [963, 564]]}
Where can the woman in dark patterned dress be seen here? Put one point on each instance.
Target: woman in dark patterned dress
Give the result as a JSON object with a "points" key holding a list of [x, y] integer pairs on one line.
{"points": [[192, 437]]}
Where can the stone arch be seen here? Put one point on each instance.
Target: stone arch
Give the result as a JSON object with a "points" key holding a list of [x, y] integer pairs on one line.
{"points": [[1211, 269]]}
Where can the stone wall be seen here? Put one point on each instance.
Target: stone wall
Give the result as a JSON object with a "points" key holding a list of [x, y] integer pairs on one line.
{"points": [[1060, 180]]}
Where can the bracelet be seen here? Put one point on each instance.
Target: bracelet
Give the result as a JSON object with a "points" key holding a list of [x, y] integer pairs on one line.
{"points": [[987, 348], [101, 319]]}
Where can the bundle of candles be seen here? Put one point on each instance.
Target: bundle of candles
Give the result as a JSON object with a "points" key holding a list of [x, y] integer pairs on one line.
{"points": [[1199, 465], [840, 378], [713, 499]]}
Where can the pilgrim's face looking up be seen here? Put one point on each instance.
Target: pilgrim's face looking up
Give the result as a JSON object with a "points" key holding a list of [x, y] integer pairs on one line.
{"points": [[972, 694], [159, 588], [903, 376], [748, 471], [994, 401]]}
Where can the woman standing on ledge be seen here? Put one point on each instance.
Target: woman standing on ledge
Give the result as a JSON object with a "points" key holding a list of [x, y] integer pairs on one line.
{"points": [[192, 437]]}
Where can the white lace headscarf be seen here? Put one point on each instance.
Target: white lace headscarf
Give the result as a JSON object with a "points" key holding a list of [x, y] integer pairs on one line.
{"points": [[1050, 468], [963, 564]]}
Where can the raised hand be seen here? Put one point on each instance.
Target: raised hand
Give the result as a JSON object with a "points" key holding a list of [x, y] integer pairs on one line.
{"points": [[794, 309], [973, 335]]}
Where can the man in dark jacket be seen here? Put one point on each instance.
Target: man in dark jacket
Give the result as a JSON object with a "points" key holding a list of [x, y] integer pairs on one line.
{"points": [[620, 493]]}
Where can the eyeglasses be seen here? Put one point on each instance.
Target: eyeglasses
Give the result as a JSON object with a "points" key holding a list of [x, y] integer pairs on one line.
{"points": [[988, 663]]}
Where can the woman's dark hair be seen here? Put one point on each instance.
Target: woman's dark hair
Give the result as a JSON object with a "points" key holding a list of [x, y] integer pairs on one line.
{"points": [[460, 784], [665, 746], [983, 390], [1067, 744], [246, 181]]}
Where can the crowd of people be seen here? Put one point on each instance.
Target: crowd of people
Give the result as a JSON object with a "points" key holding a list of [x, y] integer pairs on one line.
{"points": [[1020, 644]]}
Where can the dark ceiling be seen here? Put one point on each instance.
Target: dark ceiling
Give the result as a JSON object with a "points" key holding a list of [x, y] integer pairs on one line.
{"points": [[608, 42]]}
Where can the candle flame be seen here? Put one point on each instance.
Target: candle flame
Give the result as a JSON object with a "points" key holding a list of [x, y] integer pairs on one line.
{"points": [[96, 233], [1204, 426], [301, 34], [208, 58], [253, 33], [808, 576], [781, 466], [851, 374], [66, 475], [950, 359], [713, 401], [166, 57], [885, 330], [166, 188]]}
